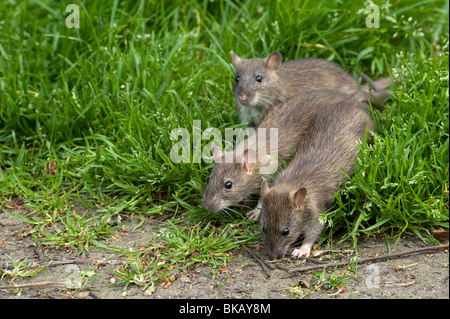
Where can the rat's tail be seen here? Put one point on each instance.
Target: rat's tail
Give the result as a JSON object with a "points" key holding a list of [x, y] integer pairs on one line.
{"points": [[378, 85], [377, 94]]}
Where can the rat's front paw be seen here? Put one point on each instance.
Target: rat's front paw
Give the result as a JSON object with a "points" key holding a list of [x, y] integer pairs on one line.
{"points": [[301, 252], [253, 214]]}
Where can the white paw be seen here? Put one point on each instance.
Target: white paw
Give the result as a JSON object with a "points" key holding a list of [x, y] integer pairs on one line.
{"points": [[253, 214], [301, 252]]}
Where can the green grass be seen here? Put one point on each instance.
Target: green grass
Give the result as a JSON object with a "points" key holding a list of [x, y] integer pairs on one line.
{"points": [[86, 115], [333, 284]]}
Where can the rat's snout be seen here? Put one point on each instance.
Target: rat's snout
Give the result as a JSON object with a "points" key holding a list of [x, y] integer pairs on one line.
{"points": [[207, 205], [243, 97], [275, 254], [211, 204]]}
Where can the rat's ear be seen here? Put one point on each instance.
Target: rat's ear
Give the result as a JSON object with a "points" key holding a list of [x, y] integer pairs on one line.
{"points": [[274, 61], [297, 198], [264, 188], [217, 153], [236, 60], [248, 161]]}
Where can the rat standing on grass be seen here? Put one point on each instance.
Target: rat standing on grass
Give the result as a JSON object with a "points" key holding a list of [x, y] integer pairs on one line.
{"points": [[263, 83], [231, 183], [305, 188]]}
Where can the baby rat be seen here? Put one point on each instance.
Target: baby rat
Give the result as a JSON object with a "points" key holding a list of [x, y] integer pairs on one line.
{"points": [[305, 188], [231, 183], [263, 83]]}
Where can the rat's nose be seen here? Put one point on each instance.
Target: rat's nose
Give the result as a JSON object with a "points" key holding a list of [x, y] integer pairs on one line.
{"points": [[243, 97], [212, 204], [207, 205], [272, 257], [275, 254]]}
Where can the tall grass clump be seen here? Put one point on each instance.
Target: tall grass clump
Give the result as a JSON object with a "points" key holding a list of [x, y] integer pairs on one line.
{"points": [[86, 114]]}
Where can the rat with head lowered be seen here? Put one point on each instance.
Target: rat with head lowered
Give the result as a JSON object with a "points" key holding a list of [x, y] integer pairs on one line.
{"points": [[231, 183], [291, 206], [262, 83]]}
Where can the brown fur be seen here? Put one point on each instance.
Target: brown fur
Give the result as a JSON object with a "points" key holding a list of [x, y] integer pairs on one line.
{"points": [[293, 120], [281, 82], [328, 147]]}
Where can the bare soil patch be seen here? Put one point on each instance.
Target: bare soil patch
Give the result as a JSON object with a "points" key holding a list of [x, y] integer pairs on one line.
{"points": [[420, 275]]}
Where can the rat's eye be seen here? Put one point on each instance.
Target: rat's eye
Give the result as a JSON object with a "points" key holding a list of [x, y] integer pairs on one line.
{"points": [[264, 229], [258, 78], [286, 231], [207, 181], [228, 185], [237, 78]]}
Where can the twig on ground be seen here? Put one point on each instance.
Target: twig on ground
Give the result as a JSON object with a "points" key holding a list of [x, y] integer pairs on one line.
{"points": [[369, 259], [67, 262], [262, 264], [163, 218], [316, 261], [54, 263], [400, 284], [94, 295], [44, 284]]}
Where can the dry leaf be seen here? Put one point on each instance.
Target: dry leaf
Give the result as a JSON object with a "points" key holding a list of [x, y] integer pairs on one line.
{"points": [[184, 278], [83, 294], [150, 290], [224, 270], [440, 234], [167, 282], [304, 283], [50, 168]]}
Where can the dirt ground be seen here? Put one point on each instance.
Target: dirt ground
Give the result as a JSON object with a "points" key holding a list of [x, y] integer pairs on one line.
{"points": [[419, 275]]}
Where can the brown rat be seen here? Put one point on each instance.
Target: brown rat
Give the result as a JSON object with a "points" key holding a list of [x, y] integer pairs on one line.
{"points": [[305, 188], [263, 83], [231, 183]]}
